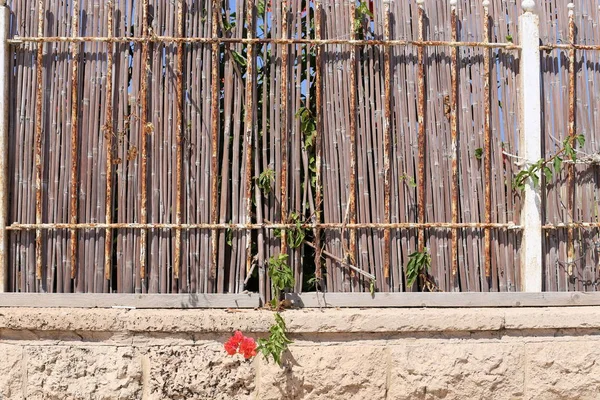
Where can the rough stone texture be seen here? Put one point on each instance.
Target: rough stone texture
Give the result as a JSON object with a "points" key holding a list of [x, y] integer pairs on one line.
{"points": [[533, 353], [552, 318], [198, 372], [453, 371], [326, 372], [299, 321], [563, 370], [82, 372], [11, 372]]}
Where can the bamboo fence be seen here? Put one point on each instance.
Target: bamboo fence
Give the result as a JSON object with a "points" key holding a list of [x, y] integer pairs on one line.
{"points": [[176, 146]]}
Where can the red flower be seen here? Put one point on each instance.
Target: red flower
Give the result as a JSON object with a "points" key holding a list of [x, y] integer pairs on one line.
{"points": [[238, 343], [237, 338], [248, 347], [230, 349], [231, 346]]}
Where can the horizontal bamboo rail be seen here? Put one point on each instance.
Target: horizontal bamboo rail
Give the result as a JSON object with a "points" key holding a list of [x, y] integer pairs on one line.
{"points": [[337, 226], [205, 40]]}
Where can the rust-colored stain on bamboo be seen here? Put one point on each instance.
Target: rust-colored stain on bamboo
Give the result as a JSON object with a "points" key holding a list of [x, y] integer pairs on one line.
{"points": [[454, 138], [487, 135], [74, 136], [284, 123], [38, 143], [571, 167], [214, 141], [318, 135], [143, 142], [569, 225], [387, 133], [422, 140], [179, 140], [249, 123], [574, 46], [352, 125], [108, 135]]}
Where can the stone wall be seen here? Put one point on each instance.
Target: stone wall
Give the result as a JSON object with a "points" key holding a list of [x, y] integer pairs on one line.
{"points": [[512, 353]]}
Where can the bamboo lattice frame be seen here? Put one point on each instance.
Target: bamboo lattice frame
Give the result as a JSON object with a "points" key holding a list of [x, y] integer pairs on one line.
{"points": [[346, 223]]}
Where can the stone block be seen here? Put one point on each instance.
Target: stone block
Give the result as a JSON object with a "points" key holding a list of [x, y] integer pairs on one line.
{"points": [[563, 370], [325, 372], [11, 372], [448, 371], [81, 372], [198, 372]]}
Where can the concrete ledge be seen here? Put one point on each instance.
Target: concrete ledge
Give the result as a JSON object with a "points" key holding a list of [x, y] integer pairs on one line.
{"points": [[376, 353], [445, 299], [303, 300], [105, 300], [372, 320]]}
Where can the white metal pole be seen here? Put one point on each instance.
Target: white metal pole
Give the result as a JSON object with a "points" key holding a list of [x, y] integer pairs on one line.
{"points": [[4, 76], [530, 146]]}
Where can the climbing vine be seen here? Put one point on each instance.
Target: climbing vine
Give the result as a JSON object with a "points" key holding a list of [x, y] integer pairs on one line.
{"points": [[551, 165]]}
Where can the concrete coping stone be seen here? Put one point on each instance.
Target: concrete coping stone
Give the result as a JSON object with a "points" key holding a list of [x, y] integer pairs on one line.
{"points": [[372, 320]]}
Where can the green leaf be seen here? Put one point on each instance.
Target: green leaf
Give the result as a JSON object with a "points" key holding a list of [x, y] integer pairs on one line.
{"points": [[282, 276], [509, 38], [260, 7], [309, 140], [580, 140], [419, 262], [363, 9], [569, 151], [536, 180], [300, 112], [265, 180], [557, 164], [229, 236], [479, 153], [409, 180], [548, 174], [240, 59], [277, 342]]}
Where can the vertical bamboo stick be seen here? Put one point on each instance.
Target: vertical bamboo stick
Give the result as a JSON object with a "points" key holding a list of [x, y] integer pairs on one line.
{"points": [[5, 73], [352, 121], [422, 141], [109, 132], [74, 136], [284, 123], [387, 133], [298, 195], [260, 235], [143, 142], [571, 167], [260, 161], [487, 132], [38, 144], [179, 139], [249, 123], [214, 143], [454, 139], [53, 146], [319, 135]]}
